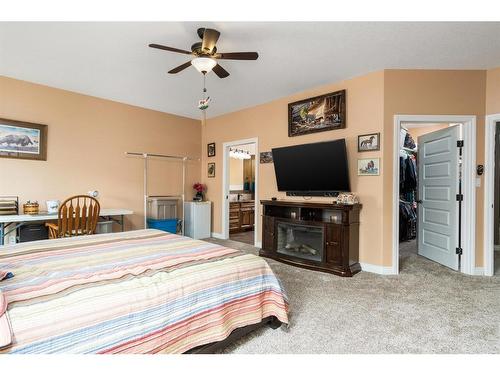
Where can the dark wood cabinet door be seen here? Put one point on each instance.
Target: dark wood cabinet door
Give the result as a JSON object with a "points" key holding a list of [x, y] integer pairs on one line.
{"points": [[246, 218], [333, 243], [268, 233]]}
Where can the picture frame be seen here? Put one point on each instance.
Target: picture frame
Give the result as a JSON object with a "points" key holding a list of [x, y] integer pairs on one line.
{"points": [[369, 142], [23, 140], [369, 167], [211, 150], [317, 114], [266, 157], [211, 170]]}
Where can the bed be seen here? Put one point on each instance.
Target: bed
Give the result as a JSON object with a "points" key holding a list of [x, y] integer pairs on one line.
{"points": [[144, 291]]}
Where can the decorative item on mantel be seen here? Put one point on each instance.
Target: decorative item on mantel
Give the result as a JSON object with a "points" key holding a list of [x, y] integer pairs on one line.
{"points": [[347, 198], [200, 188], [31, 208]]}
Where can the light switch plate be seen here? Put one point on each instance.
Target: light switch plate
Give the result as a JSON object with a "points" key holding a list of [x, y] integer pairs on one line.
{"points": [[478, 182]]}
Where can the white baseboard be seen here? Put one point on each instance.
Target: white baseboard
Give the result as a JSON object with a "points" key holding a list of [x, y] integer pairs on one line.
{"points": [[374, 268], [218, 235], [479, 271]]}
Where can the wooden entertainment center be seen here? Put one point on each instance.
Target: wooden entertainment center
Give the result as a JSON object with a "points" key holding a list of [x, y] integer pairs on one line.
{"points": [[315, 235]]}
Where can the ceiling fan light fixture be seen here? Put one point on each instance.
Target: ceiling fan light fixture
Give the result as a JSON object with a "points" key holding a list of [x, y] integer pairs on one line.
{"points": [[203, 64]]}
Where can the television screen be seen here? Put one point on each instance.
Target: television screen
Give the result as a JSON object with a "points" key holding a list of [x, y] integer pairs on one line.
{"points": [[314, 167]]}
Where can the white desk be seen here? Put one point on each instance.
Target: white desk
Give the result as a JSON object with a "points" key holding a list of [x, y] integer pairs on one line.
{"points": [[20, 220]]}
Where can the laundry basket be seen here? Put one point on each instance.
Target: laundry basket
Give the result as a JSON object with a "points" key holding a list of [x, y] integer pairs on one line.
{"points": [[167, 225]]}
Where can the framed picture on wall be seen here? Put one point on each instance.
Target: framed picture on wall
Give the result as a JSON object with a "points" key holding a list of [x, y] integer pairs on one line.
{"points": [[318, 114], [369, 142], [211, 170], [266, 157], [23, 140], [369, 167], [211, 149]]}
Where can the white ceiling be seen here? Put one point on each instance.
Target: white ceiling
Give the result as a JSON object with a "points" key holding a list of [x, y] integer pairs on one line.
{"points": [[111, 59]]}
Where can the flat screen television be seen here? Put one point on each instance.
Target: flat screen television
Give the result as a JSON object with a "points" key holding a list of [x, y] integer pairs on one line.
{"points": [[313, 169]]}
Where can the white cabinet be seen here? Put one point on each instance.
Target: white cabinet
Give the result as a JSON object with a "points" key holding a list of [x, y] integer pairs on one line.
{"points": [[197, 217]]}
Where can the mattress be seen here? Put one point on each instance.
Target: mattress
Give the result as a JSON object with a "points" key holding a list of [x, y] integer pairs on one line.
{"points": [[141, 291]]}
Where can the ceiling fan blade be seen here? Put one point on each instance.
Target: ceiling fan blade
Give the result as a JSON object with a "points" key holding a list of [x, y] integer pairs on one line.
{"points": [[171, 49], [238, 56], [210, 37], [220, 71], [180, 68]]}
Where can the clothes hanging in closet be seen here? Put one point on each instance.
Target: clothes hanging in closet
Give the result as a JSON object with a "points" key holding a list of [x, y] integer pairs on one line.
{"points": [[407, 173], [407, 221]]}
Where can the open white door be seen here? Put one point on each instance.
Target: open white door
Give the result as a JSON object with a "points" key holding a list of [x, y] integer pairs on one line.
{"points": [[438, 174]]}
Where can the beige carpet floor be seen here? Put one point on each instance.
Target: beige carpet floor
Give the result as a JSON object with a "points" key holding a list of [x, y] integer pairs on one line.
{"points": [[426, 309], [245, 237]]}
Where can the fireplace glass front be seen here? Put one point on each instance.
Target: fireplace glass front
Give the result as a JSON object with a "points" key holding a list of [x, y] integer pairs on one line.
{"points": [[300, 241]]}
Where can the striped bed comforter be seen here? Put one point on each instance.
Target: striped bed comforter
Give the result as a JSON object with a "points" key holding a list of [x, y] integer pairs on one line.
{"points": [[143, 291]]}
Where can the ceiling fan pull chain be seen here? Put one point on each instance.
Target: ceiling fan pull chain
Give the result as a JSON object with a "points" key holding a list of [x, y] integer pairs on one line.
{"points": [[203, 103]]}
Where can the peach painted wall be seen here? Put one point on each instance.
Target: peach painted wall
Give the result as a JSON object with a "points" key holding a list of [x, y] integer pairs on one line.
{"points": [[431, 92], [87, 139], [493, 91], [269, 123]]}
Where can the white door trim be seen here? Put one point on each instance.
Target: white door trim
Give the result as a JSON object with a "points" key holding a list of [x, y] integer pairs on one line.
{"points": [[468, 185], [225, 186], [489, 192]]}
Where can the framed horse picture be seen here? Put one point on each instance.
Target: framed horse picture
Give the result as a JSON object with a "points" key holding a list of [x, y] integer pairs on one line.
{"points": [[369, 142]]}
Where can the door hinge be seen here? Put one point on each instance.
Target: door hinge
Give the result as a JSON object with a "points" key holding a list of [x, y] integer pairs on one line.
{"points": [[460, 197], [460, 143], [459, 250]]}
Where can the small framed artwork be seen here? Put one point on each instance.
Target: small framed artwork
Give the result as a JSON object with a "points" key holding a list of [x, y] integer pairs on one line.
{"points": [[23, 140], [211, 150], [369, 167], [369, 142], [266, 157], [211, 170], [318, 114]]}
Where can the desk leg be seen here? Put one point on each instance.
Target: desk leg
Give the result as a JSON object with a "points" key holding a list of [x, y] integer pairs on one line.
{"points": [[2, 231]]}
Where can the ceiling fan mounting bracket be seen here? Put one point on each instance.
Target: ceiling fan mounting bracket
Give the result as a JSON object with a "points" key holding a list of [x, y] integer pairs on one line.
{"points": [[196, 49]]}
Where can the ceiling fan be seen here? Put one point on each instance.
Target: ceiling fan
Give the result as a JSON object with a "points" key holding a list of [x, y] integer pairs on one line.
{"points": [[206, 55]]}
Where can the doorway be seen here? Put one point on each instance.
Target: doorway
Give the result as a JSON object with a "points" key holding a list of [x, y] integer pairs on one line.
{"points": [[491, 191], [433, 212], [240, 178]]}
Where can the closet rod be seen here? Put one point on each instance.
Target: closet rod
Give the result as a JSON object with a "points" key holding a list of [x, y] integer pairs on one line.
{"points": [[146, 155]]}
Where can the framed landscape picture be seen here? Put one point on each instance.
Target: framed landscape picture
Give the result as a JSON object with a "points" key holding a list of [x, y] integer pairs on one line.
{"points": [[369, 142], [211, 170], [23, 140], [369, 167], [318, 114]]}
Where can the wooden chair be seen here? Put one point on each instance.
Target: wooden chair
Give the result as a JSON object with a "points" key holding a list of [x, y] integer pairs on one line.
{"points": [[77, 216]]}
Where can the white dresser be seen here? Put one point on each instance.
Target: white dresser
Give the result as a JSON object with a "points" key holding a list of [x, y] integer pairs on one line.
{"points": [[197, 216]]}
